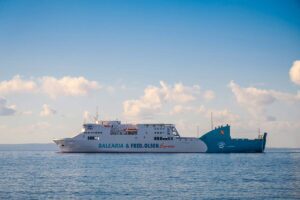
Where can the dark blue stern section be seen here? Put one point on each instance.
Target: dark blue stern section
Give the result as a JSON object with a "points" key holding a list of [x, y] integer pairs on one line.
{"points": [[220, 141]]}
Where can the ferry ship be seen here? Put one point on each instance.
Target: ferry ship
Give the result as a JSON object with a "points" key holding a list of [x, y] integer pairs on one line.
{"points": [[113, 136]]}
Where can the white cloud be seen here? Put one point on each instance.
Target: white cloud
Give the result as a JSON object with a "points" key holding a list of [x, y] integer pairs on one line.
{"points": [[40, 126], [67, 86], [178, 93], [154, 98], [209, 95], [201, 109], [6, 109], [179, 109], [51, 86], [220, 116], [295, 72], [223, 116], [47, 111], [256, 100], [17, 85], [110, 89], [27, 112]]}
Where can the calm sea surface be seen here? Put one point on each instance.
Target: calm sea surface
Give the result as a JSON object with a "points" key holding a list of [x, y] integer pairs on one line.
{"points": [[51, 175]]}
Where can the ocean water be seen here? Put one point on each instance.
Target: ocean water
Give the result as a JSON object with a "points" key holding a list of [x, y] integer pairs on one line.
{"points": [[46, 174]]}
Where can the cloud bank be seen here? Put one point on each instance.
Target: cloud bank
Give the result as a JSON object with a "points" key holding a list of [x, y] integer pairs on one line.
{"points": [[155, 97], [295, 72], [47, 111], [6, 109], [67, 86], [17, 85], [51, 86], [256, 100]]}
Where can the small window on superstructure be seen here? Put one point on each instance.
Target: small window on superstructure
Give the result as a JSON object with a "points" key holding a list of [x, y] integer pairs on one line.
{"points": [[93, 138], [89, 127]]}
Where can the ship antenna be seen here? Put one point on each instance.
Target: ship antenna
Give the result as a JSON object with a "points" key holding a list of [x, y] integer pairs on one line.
{"points": [[211, 121], [197, 131]]}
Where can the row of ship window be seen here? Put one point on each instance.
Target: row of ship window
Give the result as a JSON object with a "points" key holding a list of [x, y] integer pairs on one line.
{"points": [[93, 132], [158, 132], [162, 138]]}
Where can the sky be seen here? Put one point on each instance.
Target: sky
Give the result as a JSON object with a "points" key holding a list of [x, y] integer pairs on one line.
{"points": [[150, 62]]}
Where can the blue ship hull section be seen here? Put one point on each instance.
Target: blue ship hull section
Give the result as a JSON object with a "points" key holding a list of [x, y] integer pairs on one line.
{"points": [[220, 141]]}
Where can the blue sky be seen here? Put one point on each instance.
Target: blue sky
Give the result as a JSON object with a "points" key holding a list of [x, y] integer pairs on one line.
{"points": [[126, 46]]}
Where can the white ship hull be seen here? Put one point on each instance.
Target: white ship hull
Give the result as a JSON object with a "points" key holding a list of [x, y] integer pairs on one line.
{"points": [[122, 145], [112, 136]]}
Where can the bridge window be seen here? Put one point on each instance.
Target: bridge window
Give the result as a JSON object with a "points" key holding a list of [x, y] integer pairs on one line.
{"points": [[163, 138], [93, 138]]}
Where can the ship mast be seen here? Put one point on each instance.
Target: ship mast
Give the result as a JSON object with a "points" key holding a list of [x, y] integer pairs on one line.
{"points": [[211, 121], [96, 116]]}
